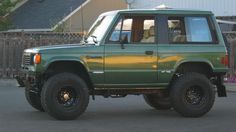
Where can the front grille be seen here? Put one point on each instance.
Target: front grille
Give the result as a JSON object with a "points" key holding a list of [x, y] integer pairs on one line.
{"points": [[27, 59]]}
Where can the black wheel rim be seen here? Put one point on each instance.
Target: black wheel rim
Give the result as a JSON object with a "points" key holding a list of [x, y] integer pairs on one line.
{"points": [[194, 95], [67, 97]]}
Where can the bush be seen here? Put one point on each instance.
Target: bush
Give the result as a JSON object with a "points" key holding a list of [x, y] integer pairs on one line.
{"points": [[5, 24]]}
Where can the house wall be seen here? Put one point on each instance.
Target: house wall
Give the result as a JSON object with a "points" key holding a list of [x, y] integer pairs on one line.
{"points": [[219, 7], [90, 13]]}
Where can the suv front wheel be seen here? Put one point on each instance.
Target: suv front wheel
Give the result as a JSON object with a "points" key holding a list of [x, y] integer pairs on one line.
{"points": [[33, 99], [65, 96], [192, 95]]}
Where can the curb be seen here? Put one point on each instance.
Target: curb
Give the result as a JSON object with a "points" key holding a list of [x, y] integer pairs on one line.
{"points": [[8, 83], [230, 87]]}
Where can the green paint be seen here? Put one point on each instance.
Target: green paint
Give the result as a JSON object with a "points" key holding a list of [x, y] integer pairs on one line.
{"points": [[111, 66]]}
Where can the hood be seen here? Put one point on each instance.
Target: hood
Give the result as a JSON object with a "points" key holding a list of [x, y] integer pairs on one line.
{"points": [[54, 48]]}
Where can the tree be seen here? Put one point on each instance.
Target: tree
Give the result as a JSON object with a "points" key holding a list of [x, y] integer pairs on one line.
{"points": [[5, 8]]}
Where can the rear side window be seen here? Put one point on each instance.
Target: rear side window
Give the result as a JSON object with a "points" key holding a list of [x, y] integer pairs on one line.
{"points": [[190, 30]]}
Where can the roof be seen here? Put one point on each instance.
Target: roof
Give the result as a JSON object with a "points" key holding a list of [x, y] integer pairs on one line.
{"points": [[43, 14], [160, 11]]}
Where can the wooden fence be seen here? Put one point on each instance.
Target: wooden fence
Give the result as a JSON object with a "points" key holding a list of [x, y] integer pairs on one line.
{"points": [[231, 37], [13, 44]]}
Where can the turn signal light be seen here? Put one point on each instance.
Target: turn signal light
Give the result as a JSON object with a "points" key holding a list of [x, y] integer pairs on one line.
{"points": [[37, 59]]}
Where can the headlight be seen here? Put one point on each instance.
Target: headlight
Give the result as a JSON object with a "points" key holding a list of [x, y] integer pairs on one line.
{"points": [[37, 59]]}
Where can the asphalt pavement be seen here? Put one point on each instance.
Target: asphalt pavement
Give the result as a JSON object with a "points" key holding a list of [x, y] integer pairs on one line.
{"points": [[130, 114]]}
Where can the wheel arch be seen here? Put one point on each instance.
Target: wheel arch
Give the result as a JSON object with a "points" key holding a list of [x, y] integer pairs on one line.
{"points": [[193, 65], [203, 67], [77, 67], [63, 59]]}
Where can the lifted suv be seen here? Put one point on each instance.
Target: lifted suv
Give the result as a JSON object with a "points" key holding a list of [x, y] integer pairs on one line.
{"points": [[174, 58]]}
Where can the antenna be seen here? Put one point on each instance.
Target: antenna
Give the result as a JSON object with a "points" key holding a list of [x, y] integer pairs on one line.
{"points": [[70, 20]]}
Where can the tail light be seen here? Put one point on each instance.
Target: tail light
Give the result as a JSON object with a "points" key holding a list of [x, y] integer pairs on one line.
{"points": [[225, 60]]}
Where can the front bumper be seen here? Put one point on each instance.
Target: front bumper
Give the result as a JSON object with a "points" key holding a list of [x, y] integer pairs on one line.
{"points": [[20, 80], [30, 82], [26, 79]]}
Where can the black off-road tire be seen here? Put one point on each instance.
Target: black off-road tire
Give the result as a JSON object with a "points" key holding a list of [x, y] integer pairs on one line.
{"points": [[33, 99], [192, 95], [157, 102], [53, 101]]}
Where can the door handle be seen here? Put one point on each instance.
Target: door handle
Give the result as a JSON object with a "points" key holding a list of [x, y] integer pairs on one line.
{"points": [[148, 52]]}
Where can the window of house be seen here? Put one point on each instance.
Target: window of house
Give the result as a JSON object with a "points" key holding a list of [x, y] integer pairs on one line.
{"points": [[138, 29], [189, 30]]}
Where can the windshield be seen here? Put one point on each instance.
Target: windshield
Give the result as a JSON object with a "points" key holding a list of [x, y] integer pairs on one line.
{"points": [[99, 28]]}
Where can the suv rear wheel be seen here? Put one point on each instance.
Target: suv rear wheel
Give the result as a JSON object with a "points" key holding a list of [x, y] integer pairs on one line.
{"points": [[192, 95], [65, 96], [157, 101]]}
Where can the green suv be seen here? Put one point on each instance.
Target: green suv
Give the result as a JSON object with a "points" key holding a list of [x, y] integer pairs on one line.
{"points": [[174, 58]]}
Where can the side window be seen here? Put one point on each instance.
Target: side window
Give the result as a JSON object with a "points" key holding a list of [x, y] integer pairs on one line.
{"points": [[138, 29], [197, 29], [148, 31], [127, 29], [176, 30], [189, 30], [122, 29], [115, 36]]}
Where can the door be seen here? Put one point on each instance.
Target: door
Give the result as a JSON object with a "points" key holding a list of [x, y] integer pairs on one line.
{"points": [[134, 62]]}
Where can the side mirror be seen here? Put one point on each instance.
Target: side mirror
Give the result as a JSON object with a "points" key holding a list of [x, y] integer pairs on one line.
{"points": [[124, 40]]}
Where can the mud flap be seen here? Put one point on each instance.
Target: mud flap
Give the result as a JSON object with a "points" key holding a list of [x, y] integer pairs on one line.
{"points": [[221, 87], [221, 91]]}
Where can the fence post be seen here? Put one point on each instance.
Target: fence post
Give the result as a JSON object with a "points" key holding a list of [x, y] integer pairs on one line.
{"points": [[1, 55], [4, 58], [233, 56]]}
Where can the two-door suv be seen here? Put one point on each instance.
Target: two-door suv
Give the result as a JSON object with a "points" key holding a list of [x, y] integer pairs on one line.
{"points": [[174, 58]]}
